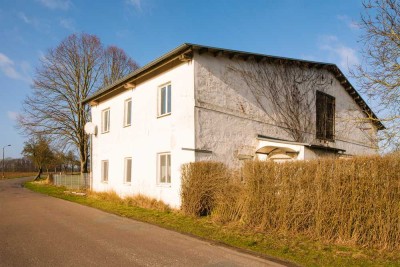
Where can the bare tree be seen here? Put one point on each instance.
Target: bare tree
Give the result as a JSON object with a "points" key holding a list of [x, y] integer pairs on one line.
{"points": [[379, 75], [39, 151], [116, 65], [67, 75], [286, 92]]}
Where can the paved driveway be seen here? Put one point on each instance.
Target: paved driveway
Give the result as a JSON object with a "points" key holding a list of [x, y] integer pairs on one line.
{"points": [[37, 230]]}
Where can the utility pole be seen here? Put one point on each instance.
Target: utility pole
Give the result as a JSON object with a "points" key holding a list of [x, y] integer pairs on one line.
{"points": [[3, 159]]}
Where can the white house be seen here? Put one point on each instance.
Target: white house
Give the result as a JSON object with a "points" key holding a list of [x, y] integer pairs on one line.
{"points": [[202, 103]]}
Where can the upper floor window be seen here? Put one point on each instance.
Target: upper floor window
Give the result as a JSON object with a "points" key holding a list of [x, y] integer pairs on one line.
{"points": [[105, 121], [325, 121], [128, 112], [164, 100], [164, 168]]}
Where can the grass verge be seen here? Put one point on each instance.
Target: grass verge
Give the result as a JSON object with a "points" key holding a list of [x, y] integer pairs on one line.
{"points": [[296, 249]]}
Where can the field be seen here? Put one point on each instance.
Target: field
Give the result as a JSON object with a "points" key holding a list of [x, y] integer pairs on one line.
{"points": [[11, 175]]}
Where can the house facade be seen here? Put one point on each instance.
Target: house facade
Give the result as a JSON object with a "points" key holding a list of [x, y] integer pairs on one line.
{"points": [[201, 103]]}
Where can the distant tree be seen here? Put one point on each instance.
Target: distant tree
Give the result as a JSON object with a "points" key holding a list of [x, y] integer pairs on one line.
{"points": [[18, 165], [69, 73], [39, 151], [379, 75], [58, 161], [70, 160]]}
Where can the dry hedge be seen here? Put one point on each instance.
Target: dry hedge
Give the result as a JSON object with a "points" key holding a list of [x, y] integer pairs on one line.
{"points": [[354, 201], [201, 183]]}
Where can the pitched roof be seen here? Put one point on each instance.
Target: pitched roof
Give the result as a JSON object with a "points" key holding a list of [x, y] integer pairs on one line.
{"points": [[186, 49]]}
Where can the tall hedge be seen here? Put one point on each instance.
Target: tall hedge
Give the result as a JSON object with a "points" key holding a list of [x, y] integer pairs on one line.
{"points": [[353, 201]]}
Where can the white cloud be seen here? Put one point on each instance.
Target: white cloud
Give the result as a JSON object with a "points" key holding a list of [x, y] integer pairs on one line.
{"points": [[349, 22], [22, 16], [39, 25], [8, 67], [12, 115], [344, 55], [137, 4], [56, 4], [68, 24], [41, 55], [348, 56], [29, 20]]}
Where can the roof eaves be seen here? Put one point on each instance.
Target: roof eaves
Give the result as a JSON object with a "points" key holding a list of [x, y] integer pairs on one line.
{"points": [[135, 73], [357, 98], [197, 46], [329, 66]]}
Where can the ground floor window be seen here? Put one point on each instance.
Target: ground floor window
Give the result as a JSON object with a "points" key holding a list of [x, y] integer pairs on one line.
{"points": [[104, 170], [164, 168], [128, 170]]}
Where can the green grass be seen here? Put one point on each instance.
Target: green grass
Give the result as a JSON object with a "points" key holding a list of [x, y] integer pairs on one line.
{"points": [[299, 250]]}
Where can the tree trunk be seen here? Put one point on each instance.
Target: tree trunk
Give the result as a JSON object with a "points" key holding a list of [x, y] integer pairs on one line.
{"points": [[83, 153], [84, 166], [38, 175]]}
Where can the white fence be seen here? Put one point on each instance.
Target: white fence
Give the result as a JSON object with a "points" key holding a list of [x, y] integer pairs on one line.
{"points": [[72, 181]]}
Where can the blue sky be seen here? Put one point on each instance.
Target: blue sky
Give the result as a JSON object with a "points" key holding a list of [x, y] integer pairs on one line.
{"points": [[316, 30]]}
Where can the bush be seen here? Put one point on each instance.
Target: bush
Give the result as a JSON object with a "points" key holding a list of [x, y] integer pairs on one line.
{"points": [[201, 183], [354, 201]]}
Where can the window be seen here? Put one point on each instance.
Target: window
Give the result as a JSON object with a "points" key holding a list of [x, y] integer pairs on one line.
{"points": [[128, 170], [128, 112], [105, 121], [164, 100], [325, 116], [164, 168], [104, 171]]}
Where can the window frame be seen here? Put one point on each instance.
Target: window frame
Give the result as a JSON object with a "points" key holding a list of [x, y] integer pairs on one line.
{"points": [[167, 102], [104, 175], [166, 182], [325, 109], [103, 124], [126, 124], [126, 170]]}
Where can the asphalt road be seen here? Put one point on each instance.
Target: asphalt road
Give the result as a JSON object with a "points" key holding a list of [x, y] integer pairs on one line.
{"points": [[37, 230]]}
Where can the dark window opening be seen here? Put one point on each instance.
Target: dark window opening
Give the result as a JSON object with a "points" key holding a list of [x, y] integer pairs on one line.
{"points": [[325, 116]]}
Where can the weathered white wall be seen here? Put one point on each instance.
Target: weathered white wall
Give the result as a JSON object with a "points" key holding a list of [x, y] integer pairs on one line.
{"points": [[147, 136], [228, 117]]}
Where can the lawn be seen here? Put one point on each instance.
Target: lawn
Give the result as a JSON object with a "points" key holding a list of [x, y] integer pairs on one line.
{"points": [[293, 249]]}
